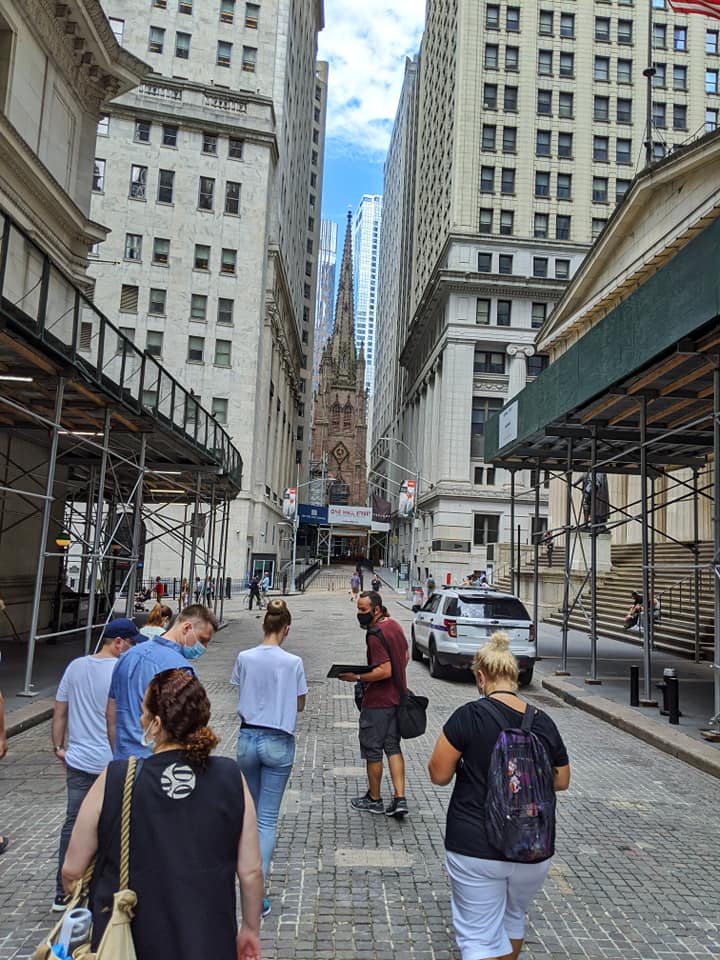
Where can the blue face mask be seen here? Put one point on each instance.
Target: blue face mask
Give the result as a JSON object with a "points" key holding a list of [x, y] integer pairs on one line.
{"points": [[192, 653]]}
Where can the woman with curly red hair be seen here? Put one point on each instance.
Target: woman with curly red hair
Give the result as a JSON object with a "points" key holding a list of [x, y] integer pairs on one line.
{"points": [[192, 830]]}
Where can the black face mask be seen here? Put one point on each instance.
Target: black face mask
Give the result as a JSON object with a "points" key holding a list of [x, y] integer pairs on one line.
{"points": [[365, 620]]}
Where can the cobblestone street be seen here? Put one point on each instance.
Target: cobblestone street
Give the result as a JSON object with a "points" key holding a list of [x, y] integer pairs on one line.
{"points": [[636, 875]]}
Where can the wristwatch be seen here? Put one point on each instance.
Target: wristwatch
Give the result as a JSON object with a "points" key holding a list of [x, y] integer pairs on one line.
{"points": [[56, 748]]}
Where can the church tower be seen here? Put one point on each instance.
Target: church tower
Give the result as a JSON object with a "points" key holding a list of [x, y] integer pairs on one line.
{"points": [[340, 402]]}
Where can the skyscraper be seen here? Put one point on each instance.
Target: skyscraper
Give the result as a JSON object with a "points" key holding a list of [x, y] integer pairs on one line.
{"points": [[530, 126], [366, 244], [210, 178], [325, 297]]}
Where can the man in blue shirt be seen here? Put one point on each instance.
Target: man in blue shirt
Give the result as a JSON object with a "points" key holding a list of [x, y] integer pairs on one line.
{"points": [[186, 640]]}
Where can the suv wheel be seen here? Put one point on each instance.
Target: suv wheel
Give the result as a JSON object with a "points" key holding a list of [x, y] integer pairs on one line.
{"points": [[415, 651], [436, 669], [525, 677]]}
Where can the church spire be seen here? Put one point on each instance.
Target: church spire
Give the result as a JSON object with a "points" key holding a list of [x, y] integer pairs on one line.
{"points": [[343, 338]]}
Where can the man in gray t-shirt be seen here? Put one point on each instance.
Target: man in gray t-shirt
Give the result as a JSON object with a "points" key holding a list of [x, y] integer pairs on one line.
{"points": [[79, 711]]}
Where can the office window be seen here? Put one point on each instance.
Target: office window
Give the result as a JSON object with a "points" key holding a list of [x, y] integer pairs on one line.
{"points": [[485, 361], [536, 365], [545, 63], [659, 5], [209, 143], [232, 197], [600, 149], [659, 115], [659, 78], [542, 183], [490, 60], [565, 144], [621, 188], [482, 312], [567, 64], [624, 110], [124, 334], [712, 39], [545, 23], [512, 59], [624, 71], [128, 298], [625, 31], [600, 189], [562, 269], [198, 306], [227, 11], [103, 127], [484, 263], [206, 193], [566, 105], [182, 45], [537, 315], [138, 182], [487, 179], [153, 346], [564, 186], [492, 16], [235, 148], [98, 180], [505, 263], [486, 220], [169, 135], [249, 59], [224, 53], [192, 406], [623, 151], [601, 108], [225, 309], [544, 103], [510, 99], [228, 260], [196, 349], [142, 131], [658, 150], [478, 475], [161, 251], [711, 81], [488, 136], [485, 528], [680, 38], [542, 143], [659, 36], [504, 313], [185, 6], [562, 227], [490, 96], [252, 14], [133, 246], [540, 266], [679, 78], [602, 69], [597, 226], [507, 180], [512, 19], [156, 40], [118, 28], [201, 259], [507, 222], [166, 183], [602, 29], [219, 409], [567, 24], [541, 225], [156, 303], [711, 119], [223, 350]]}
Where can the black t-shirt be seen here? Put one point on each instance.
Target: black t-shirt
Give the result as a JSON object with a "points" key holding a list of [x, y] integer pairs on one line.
{"points": [[473, 730]]}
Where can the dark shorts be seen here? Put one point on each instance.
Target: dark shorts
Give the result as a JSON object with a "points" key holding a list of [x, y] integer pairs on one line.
{"points": [[378, 733]]}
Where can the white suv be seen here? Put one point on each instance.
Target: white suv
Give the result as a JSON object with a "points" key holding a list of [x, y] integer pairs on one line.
{"points": [[454, 623]]}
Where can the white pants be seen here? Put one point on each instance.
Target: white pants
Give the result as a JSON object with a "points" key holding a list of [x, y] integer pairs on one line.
{"points": [[489, 902]]}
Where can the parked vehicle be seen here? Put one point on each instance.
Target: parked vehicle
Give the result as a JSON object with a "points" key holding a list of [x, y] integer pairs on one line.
{"points": [[453, 623]]}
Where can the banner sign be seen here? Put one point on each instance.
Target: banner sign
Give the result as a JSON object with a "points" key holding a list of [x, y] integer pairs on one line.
{"points": [[309, 513], [381, 509], [350, 516], [290, 503], [406, 502], [507, 425]]}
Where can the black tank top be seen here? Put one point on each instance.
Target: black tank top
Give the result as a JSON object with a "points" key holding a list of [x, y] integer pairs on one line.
{"points": [[184, 834]]}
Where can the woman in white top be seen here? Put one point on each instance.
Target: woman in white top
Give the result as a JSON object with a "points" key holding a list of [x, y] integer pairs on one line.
{"points": [[271, 692], [158, 621]]}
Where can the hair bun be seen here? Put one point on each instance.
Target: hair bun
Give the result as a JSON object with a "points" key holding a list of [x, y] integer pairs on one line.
{"points": [[499, 640]]}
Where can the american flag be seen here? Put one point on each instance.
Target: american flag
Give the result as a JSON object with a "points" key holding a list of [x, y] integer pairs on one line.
{"points": [[710, 8]]}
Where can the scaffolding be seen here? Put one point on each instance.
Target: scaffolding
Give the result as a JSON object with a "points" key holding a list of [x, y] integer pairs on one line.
{"points": [[101, 449]]}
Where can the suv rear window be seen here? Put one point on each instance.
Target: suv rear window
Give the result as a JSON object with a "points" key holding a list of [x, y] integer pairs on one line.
{"points": [[486, 608]]}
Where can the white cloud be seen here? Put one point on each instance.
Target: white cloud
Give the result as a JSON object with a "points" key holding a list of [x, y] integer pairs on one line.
{"points": [[366, 44]]}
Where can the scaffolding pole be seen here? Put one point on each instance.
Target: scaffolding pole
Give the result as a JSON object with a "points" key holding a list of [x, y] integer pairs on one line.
{"points": [[593, 678], [97, 533], [512, 533], [137, 526], [536, 561], [563, 671], [714, 724], [193, 539], [647, 699], [696, 571]]}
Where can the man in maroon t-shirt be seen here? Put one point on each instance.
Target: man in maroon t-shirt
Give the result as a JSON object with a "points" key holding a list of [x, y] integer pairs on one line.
{"points": [[378, 717]]}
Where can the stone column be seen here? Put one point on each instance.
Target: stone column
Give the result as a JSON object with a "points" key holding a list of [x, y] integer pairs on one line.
{"points": [[517, 366]]}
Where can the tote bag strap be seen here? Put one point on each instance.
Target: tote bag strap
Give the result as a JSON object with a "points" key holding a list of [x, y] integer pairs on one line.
{"points": [[130, 777], [377, 632]]}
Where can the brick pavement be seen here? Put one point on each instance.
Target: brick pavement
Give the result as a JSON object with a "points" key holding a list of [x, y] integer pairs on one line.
{"points": [[636, 875]]}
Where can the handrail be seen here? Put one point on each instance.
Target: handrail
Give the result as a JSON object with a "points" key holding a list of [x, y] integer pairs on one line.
{"points": [[686, 581]]}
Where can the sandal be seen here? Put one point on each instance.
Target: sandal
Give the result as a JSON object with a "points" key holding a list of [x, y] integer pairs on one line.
{"points": [[4, 843]]}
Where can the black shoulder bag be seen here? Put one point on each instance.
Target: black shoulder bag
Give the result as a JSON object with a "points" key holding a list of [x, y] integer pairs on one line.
{"points": [[412, 709]]}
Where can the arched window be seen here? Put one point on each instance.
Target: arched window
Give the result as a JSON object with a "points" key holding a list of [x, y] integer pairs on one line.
{"points": [[335, 416], [347, 417]]}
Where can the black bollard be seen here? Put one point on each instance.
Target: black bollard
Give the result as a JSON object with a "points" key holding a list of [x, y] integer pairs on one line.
{"points": [[673, 699], [634, 685]]}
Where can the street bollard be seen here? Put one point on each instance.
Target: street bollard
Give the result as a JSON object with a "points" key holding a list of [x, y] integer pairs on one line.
{"points": [[634, 685], [673, 699]]}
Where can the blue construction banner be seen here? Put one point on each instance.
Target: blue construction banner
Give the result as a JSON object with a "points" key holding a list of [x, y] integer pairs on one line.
{"points": [[309, 513]]}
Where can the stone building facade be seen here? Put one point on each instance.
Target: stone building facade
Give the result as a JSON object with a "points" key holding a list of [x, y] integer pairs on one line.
{"points": [[339, 418]]}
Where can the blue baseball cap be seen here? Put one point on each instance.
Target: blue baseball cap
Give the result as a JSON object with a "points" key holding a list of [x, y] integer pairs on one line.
{"points": [[125, 629]]}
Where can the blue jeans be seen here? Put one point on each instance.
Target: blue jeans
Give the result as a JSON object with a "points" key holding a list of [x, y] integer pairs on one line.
{"points": [[78, 784], [266, 758]]}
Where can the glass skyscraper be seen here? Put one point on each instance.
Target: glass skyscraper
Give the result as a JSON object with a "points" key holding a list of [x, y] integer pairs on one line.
{"points": [[366, 242]]}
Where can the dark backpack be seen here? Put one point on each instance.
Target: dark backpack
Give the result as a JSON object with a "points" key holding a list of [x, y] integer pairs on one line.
{"points": [[520, 800]]}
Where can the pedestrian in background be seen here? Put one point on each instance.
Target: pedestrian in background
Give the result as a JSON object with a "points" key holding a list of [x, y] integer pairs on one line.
{"points": [[255, 591], [157, 622], [376, 583], [272, 690], [159, 589], [79, 713], [430, 586], [192, 831], [184, 594], [354, 586], [490, 892]]}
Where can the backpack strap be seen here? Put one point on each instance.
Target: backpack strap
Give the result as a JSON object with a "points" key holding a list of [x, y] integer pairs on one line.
{"points": [[377, 632], [527, 720]]}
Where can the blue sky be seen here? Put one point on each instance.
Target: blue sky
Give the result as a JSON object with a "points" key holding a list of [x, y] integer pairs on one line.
{"points": [[366, 44]]}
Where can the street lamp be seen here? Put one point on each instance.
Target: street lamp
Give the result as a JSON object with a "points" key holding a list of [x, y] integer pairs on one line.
{"points": [[413, 454]]}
